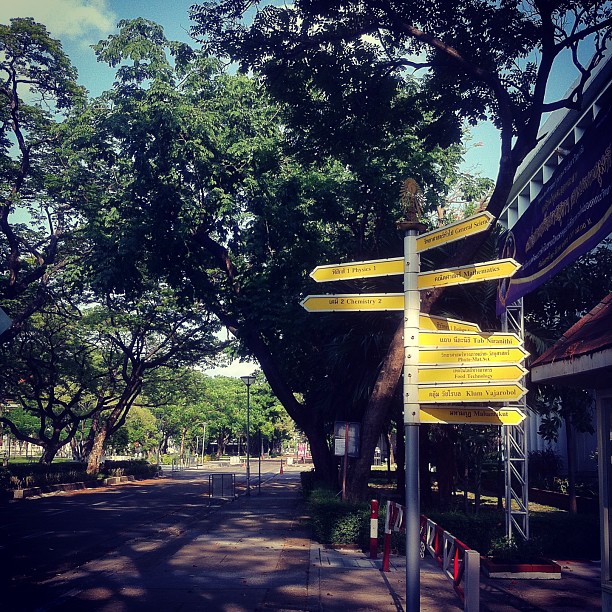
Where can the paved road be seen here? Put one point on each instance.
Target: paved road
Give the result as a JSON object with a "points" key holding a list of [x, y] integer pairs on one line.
{"points": [[159, 546], [50, 535]]}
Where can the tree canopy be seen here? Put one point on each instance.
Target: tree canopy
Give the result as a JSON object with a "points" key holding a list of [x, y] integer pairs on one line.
{"points": [[479, 60], [37, 88], [201, 180]]}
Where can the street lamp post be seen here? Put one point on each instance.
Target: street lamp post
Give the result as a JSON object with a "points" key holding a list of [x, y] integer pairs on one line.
{"points": [[248, 381], [203, 442]]}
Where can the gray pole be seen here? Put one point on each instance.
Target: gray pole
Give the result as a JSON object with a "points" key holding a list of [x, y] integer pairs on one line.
{"points": [[203, 442], [248, 381], [248, 440], [412, 303]]}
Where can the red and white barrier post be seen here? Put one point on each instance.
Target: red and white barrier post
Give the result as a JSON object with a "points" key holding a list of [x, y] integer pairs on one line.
{"points": [[373, 529]]}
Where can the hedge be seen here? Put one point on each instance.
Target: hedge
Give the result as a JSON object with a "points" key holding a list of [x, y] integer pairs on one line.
{"points": [[26, 475]]}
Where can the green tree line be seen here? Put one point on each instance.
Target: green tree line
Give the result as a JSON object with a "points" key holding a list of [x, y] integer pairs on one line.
{"points": [[187, 198]]}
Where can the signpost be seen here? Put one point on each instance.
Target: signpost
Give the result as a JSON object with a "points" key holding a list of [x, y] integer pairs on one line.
{"points": [[477, 415], [358, 269], [474, 273], [472, 356], [454, 231], [493, 392], [434, 323], [475, 374], [448, 344], [443, 339], [355, 302], [380, 302]]}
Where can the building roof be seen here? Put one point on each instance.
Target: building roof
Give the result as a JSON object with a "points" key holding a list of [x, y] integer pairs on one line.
{"points": [[582, 357]]}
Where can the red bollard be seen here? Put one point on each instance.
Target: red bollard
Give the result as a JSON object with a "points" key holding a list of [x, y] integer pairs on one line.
{"points": [[373, 529], [281, 468]]}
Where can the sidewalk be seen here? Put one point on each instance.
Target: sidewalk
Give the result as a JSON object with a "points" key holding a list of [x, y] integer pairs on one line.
{"points": [[255, 554]]}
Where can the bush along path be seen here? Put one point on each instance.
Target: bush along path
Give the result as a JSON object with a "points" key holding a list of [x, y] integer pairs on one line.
{"points": [[22, 480]]}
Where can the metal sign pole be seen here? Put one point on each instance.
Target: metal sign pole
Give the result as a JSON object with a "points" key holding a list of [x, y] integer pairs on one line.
{"points": [[412, 303]]}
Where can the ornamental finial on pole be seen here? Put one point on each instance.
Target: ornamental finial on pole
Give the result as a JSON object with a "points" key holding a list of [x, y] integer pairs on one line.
{"points": [[411, 199]]}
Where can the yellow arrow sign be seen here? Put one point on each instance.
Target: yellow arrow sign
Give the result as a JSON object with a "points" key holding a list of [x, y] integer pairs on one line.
{"points": [[471, 374], [433, 323], [471, 356], [474, 273], [444, 339], [356, 302], [472, 416], [382, 301], [447, 394], [358, 269], [449, 233]]}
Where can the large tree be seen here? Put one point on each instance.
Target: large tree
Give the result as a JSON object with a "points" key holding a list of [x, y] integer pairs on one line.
{"points": [[49, 371], [198, 179], [37, 88], [480, 60], [135, 337]]}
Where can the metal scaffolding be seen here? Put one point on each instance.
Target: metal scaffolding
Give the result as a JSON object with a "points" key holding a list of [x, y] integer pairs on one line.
{"points": [[515, 451]]}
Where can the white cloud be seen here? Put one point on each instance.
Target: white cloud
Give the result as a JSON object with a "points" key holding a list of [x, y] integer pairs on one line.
{"points": [[64, 18]]}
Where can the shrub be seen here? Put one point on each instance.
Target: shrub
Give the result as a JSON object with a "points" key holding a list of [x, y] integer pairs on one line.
{"points": [[335, 522], [555, 535], [139, 468], [26, 475], [511, 549], [310, 480], [477, 531]]}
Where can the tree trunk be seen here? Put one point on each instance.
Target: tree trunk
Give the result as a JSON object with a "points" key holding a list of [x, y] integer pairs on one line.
{"points": [[322, 457], [48, 454], [97, 448], [182, 449], [375, 415]]}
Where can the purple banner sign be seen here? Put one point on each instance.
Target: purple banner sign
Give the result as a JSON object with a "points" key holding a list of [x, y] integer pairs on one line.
{"points": [[571, 215]]}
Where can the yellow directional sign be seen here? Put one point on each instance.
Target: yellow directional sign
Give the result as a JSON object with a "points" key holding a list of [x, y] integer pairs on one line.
{"points": [[382, 301], [444, 339], [433, 323], [468, 356], [358, 269], [471, 374], [474, 273], [447, 394], [471, 416], [449, 233], [355, 302]]}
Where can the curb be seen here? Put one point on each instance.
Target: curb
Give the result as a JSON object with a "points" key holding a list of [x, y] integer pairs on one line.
{"points": [[69, 486]]}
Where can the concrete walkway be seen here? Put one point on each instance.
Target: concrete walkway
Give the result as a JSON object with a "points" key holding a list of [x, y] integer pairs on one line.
{"points": [[255, 554]]}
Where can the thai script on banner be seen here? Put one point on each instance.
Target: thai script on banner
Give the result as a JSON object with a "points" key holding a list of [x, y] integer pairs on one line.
{"points": [[570, 216]]}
